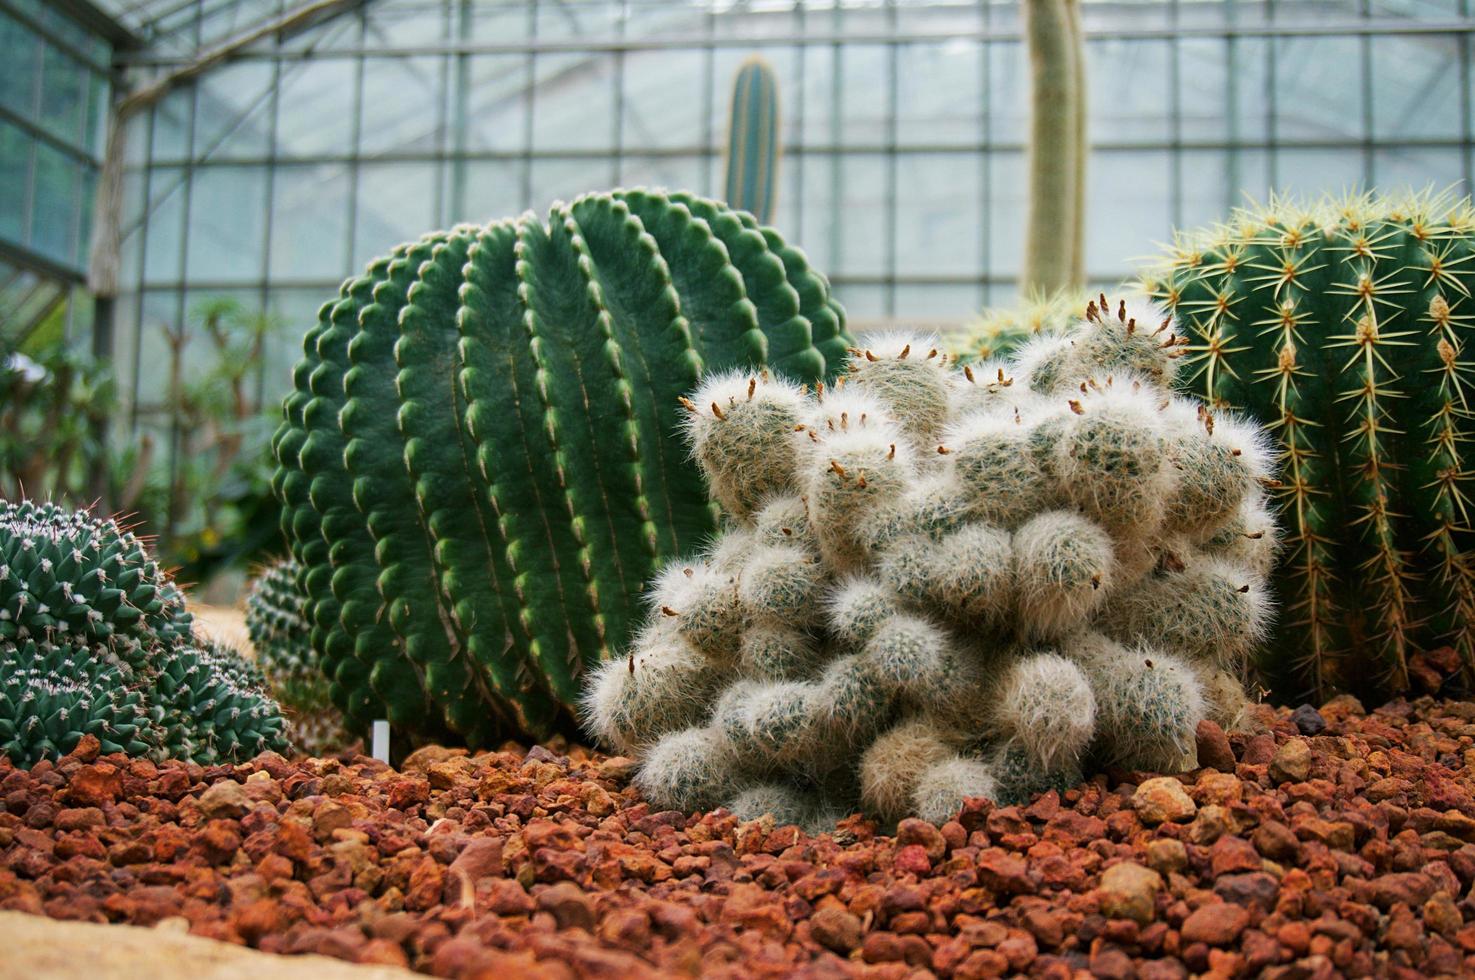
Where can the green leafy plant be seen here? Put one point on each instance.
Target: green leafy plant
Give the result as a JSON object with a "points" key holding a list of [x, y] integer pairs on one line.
{"points": [[480, 466], [941, 583]]}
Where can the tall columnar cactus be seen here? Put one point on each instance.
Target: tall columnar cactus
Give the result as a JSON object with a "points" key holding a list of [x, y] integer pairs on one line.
{"points": [[1055, 226], [753, 140], [95, 640], [480, 465], [939, 583], [1343, 327], [282, 638]]}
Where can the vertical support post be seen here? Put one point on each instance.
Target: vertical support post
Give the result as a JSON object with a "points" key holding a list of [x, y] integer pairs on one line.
{"points": [[380, 740]]}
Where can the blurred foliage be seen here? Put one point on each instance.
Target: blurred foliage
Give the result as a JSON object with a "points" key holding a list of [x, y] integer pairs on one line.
{"points": [[201, 489], [218, 509]]}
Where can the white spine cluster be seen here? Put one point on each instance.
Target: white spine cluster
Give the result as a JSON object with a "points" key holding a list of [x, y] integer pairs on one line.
{"points": [[944, 582]]}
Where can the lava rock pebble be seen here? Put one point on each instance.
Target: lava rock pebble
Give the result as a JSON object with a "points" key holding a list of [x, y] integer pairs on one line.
{"points": [[1296, 851]]}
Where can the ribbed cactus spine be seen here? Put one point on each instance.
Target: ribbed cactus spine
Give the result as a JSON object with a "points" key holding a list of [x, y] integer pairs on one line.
{"points": [[952, 584], [95, 640], [753, 140], [1342, 327], [481, 465]]}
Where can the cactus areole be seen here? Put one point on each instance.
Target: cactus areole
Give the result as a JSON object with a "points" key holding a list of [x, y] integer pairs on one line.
{"points": [[480, 466]]}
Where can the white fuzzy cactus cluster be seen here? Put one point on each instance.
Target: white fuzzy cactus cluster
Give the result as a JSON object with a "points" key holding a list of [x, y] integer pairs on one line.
{"points": [[939, 583]]}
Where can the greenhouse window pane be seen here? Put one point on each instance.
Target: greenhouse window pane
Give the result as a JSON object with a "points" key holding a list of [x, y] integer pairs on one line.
{"points": [[23, 58], [939, 91], [16, 148], [1207, 187], [865, 98], [860, 215], [234, 112], [398, 112], [1416, 87], [496, 102], [394, 205], [574, 102], [1418, 168], [1318, 91], [1203, 89], [939, 198], [683, 173], [53, 220], [165, 231], [1248, 88], [64, 96], [171, 122], [1127, 208], [816, 102], [865, 307], [1008, 93], [940, 308], [1128, 97], [564, 180], [492, 189], [664, 93], [309, 222], [1310, 172], [315, 114], [160, 313], [1007, 207], [821, 193], [227, 224]]}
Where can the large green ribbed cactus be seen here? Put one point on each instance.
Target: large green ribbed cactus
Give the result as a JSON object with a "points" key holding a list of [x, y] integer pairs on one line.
{"points": [[1343, 326], [480, 466], [753, 140]]}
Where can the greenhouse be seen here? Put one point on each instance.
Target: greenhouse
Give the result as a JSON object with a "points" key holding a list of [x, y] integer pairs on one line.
{"points": [[946, 488]]}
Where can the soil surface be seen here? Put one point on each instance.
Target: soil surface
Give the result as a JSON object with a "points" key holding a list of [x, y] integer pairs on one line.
{"points": [[1332, 842]]}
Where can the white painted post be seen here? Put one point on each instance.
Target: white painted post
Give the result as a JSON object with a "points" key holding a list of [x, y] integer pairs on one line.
{"points": [[381, 740]]}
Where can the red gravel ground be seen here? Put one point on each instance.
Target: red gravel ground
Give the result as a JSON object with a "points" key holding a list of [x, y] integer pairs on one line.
{"points": [[1311, 854]]}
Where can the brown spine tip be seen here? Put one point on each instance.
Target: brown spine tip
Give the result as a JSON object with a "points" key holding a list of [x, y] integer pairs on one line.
{"points": [[752, 387], [891, 454], [1148, 662], [631, 661], [860, 479], [839, 470], [1121, 312], [968, 373], [1166, 320], [1236, 452], [1254, 535], [688, 571], [689, 405], [813, 436], [668, 611], [932, 353], [717, 411], [1131, 326], [844, 420], [1243, 589], [871, 357], [1095, 581], [1075, 406], [1091, 311], [904, 352], [787, 532], [800, 427]]}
